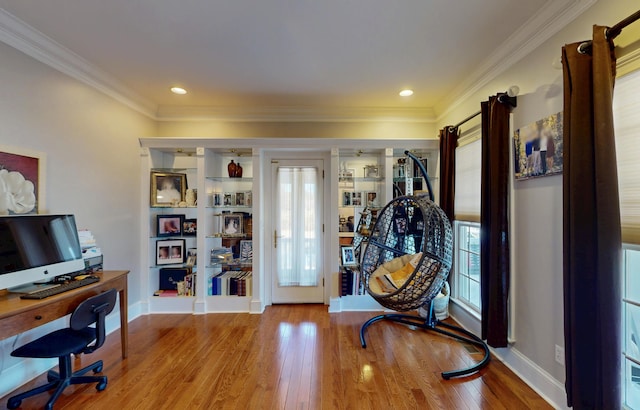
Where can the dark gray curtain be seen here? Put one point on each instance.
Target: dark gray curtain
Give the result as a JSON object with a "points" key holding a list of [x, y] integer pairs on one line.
{"points": [[592, 239], [494, 220], [448, 144]]}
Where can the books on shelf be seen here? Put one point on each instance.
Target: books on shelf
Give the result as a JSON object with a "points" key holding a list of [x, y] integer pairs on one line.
{"points": [[232, 283], [350, 283]]}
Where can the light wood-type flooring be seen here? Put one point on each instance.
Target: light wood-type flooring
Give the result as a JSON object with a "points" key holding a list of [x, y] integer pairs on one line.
{"points": [[289, 357]]}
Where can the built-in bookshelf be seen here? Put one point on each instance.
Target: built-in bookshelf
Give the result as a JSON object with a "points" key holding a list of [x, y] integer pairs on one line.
{"points": [[228, 241], [225, 239], [171, 221]]}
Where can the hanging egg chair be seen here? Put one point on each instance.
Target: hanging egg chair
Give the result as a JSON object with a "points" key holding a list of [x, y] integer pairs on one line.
{"points": [[406, 263]]}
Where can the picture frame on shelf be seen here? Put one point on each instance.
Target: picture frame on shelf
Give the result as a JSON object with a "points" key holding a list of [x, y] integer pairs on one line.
{"points": [[232, 224], [217, 199], [169, 225], [356, 198], [346, 178], [372, 199], [371, 171], [167, 188], [348, 256], [190, 227], [346, 198], [228, 199], [170, 251], [248, 198], [240, 200], [246, 250]]}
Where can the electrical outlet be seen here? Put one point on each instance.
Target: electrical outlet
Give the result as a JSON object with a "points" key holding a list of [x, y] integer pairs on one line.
{"points": [[560, 354]]}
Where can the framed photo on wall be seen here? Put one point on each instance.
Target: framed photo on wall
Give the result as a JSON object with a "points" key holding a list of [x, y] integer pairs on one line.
{"points": [[169, 225], [170, 251], [167, 188]]}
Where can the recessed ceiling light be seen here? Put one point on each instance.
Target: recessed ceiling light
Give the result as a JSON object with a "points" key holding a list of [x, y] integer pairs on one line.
{"points": [[406, 93], [178, 90]]}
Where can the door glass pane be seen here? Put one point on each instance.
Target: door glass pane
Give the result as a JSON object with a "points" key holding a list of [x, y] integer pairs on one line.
{"points": [[298, 244]]}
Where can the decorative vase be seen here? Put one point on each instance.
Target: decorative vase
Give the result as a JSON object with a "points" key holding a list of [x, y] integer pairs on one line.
{"points": [[191, 197], [231, 168], [238, 171]]}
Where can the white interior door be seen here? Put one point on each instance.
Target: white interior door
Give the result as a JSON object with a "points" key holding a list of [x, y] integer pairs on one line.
{"points": [[297, 244]]}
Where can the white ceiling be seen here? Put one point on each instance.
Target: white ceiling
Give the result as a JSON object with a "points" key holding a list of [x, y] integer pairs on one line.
{"points": [[269, 54]]}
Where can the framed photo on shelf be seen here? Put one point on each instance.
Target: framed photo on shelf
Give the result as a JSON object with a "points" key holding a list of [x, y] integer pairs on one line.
{"points": [[356, 198], [217, 199], [371, 171], [228, 199], [240, 200], [170, 251], [169, 225], [167, 188], [372, 198], [190, 227], [246, 250], [348, 256], [248, 198], [346, 198], [346, 178], [231, 224]]}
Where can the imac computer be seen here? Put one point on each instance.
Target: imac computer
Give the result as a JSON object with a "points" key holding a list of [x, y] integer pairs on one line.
{"points": [[37, 248]]}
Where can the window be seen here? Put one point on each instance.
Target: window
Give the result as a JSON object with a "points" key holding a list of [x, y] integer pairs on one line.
{"points": [[626, 111], [631, 327], [466, 267]]}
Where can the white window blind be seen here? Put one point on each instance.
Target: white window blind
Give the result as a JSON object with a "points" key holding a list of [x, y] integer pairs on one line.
{"points": [[468, 179], [626, 110]]}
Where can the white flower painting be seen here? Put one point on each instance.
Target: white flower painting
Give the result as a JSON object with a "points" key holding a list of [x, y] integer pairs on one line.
{"points": [[17, 194], [19, 183]]}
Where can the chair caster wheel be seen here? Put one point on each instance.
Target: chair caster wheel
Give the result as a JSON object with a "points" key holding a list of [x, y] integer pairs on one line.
{"points": [[97, 369], [101, 386], [13, 403]]}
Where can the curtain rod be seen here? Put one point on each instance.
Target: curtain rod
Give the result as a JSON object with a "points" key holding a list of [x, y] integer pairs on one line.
{"points": [[617, 29], [504, 98], [472, 116], [611, 32]]}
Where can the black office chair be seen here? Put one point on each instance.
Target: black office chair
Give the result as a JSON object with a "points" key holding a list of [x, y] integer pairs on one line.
{"points": [[75, 339]]}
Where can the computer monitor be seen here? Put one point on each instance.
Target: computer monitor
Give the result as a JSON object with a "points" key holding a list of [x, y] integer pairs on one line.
{"points": [[37, 248]]}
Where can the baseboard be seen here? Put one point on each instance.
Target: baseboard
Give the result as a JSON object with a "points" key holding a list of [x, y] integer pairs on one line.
{"points": [[537, 378]]}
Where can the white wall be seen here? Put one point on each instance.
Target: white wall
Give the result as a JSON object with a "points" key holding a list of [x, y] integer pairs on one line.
{"points": [[92, 157], [537, 223]]}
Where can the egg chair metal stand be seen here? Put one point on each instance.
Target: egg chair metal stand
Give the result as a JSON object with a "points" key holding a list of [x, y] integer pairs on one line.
{"points": [[413, 227]]}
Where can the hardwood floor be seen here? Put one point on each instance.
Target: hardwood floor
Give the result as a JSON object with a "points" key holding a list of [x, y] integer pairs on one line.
{"points": [[290, 357]]}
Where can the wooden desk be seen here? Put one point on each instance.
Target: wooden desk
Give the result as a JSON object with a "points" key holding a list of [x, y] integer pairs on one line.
{"points": [[19, 315]]}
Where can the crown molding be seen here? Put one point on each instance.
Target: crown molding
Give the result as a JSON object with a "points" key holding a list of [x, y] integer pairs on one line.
{"points": [[17, 34], [547, 22], [542, 26], [628, 61], [295, 114]]}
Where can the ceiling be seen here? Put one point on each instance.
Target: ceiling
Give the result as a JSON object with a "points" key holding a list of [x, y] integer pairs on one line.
{"points": [[277, 55]]}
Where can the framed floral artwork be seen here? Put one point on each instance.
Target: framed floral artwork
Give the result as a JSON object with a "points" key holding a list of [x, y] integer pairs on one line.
{"points": [[22, 179]]}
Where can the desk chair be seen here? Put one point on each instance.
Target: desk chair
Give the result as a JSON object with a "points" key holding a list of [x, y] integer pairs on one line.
{"points": [[62, 343]]}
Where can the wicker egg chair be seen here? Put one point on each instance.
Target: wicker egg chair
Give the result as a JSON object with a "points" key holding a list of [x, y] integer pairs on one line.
{"points": [[406, 263]]}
